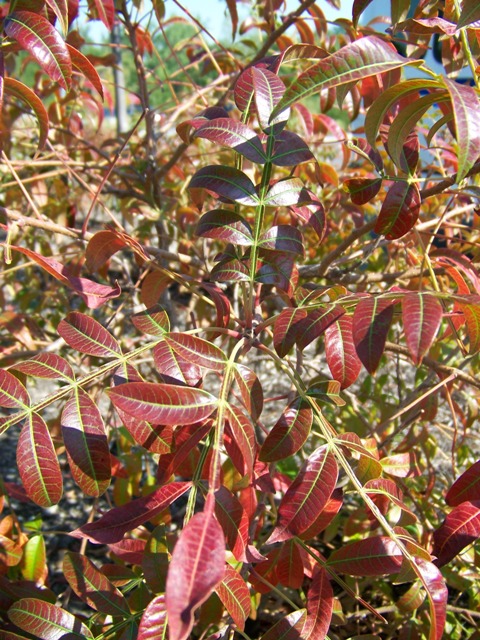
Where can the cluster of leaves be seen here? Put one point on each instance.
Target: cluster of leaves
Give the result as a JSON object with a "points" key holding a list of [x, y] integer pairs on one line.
{"points": [[296, 408]]}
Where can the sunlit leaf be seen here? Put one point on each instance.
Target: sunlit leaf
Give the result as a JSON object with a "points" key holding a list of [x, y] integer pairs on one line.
{"points": [[466, 487], [268, 91], [358, 8], [235, 596], [34, 560], [342, 358], [153, 321], [226, 182], [400, 210], [46, 621], [196, 569], [470, 13], [460, 528], [166, 404], [290, 149], [307, 495], [290, 570], [360, 59], [154, 438], [325, 517], [86, 443], [376, 556], [156, 559], [112, 526], [240, 440], [38, 464], [197, 351], [153, 625], [371, 321], [437, 592], [319, 607], [19, 90], [250, 390], [286, 193], [316, 322], [362, 190], [46, 365], [173, 366], [234, 521], [286, 329], [104, 10], [290, 432], [83, 333], [235, 135], [226, 225], [472, 321], [35, 34], [422, 314], [287, 628], [82, 63], [92, 586], [13, 394]]}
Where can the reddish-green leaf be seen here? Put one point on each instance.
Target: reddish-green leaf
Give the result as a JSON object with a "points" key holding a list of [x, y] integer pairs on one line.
{"points": [[437, 592], [46, 365], [235, 596], [235, 135], [466, 487], [104, 10], [234, 521], [88, 336], [460, 528], [112, 526], [82, 63], [86, 444], [290, 570], [316, 322], [399, 211], [197, 351], [290, 149], [470, 13], [401, 465], [307, 495], [226, 182], [286, 193], [46, 621], [465, 105], [342, 358], [19, 90], [250, 390], [155, 438], [325, 517], [34, 560], [173, 367], [282, 238], [422, 315], [371, 321], [35, 34], [38, 464], [153, 321], [376, 556], [268, 91], [287, 329], [153, 625], [92, 586], [288, 628], [13, 394], [196, 568], [290, 432], [319, 607], [472, 321], [362, 190], [240, 440], [222, 224], [368, 56], [166, 404]]}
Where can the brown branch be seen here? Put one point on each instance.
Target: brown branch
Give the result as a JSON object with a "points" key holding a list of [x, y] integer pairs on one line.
{"points": [[349, 277], [448, 182]]}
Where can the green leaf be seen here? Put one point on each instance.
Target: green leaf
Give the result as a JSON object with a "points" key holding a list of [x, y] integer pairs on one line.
{"points": [[361, 59], [35, 34]]}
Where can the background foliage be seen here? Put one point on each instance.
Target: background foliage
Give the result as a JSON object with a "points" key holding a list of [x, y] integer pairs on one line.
{"points": [[247, 326]]}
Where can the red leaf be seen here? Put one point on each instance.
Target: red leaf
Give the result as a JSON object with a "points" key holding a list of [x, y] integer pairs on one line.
{"points": [[288, 628], [226, 225], [290, 432], [235, 135], [342, 358], [38, 464], [316, 322], [174, 367], [268, 91], [21, 91], [290, 565], [371, 321], [46, 365], [101, 247], [460, 528], [83, 64], [112, 526], [88, 336], [104, 10], [86, 444], [422, 315], [376, 556], [240, 440], [92, 586], [250, 390], [235, 596], [197, 351], [155, 438], [13, 394], [35, 34], [437, 592], [46, 621], [234, 521], [307, 496], [325, 517], [362, 190], [472, 320], [290, 150], [226, 182], [153, 624], [196, 568], [287, 329], [153, 321], [400, 210], [282, 238], [286, 193], [466, 487], [166, 404], [319, 607]]}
